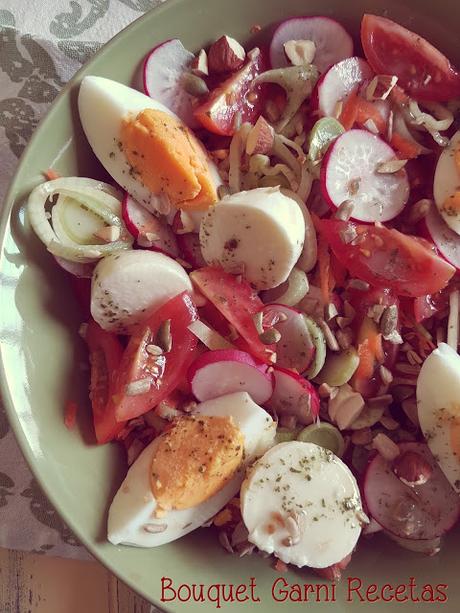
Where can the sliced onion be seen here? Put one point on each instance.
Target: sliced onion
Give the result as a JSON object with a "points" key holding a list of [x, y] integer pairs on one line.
{"points": [[296, 289], [98, 198], [433, 125], [237, 148]]}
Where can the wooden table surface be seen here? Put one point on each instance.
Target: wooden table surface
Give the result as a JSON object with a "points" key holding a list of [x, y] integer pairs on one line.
{"points": [[32, 583]]}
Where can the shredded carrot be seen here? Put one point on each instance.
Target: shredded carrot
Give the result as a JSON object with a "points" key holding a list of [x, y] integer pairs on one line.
{"points": [[323, 269], [349, 111], [280, 566], [406, 149], [51, 174], [339, 271], [70, 415], [399, 96], [365, 111], [370, 349]]}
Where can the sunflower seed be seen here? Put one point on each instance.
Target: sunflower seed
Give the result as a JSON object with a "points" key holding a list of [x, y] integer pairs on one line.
{"points": [[141, 386], [375, 312], [413, 357], [154, 350], [225, 542], [194, 85], [419, 210], [389, 423], [404, 381], [384, 399], [329, 336], [358, 284], [223, 190], [331, 311], [390, 167], [407, 369], [163, 337], [270, 336], [348, 235], [385, 375], [389, 321], [344, 211], [344, 338], [257, 318], [325, 390]]}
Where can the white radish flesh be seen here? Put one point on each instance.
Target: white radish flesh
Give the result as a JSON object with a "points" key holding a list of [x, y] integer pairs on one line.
{"points": [[164, 68], [349, 172], [295, 349], [225, 371], [128, 287], [446, 240], [293, 395], [419, 512], [147, 229], [339, 81], [332, 41]]}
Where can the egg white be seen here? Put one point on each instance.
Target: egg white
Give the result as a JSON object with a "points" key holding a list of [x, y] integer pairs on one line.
{"points": [[438, 403], [103, 104], [447, 181], [131, 515]]}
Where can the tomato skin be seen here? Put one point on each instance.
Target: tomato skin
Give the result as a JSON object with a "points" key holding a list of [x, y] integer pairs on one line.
{"points": [[217, 115], [105, 353], [165, 371], [237, 302], [392, 49], [388, 258]]}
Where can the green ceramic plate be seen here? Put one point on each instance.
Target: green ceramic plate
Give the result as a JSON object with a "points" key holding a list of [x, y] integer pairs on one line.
{"points": [[41, 351]]}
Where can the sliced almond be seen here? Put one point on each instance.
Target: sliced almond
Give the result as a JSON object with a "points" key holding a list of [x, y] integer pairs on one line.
{"points": [[225, 55], [200, 64], [300, 52], [260, 138]]}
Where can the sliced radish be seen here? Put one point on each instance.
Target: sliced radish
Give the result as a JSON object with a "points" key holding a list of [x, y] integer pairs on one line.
{"points": [[163, 71], [349, 172], [294, 395], [427, 546], [446, 240], [332, 41], [295, 349], [418, 512], [149, 231], [189, 246], [225, 371], [339, 81], [77, 269]]}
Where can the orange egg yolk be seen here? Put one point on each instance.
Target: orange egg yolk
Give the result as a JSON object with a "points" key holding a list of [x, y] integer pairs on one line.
{"points": [[194, 460], [167, 158]]}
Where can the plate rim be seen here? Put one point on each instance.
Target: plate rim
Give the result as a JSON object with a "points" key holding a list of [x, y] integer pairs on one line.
{"points": [[5, 217]]}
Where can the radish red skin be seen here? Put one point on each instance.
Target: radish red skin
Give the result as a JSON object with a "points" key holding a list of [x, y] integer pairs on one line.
{"points": [[169, 54], [333, 43], [140, 221], [259, 382], [391, 190], [439, 505], [285, 382]]}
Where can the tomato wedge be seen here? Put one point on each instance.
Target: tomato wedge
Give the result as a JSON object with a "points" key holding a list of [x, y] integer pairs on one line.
{"points": [[164, 372], [217, 113], [105, 353], [387, 258], [422, 70], [237, 302]]}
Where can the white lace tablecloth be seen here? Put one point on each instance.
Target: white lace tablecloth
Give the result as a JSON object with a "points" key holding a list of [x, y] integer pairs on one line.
{"points": [[42, 44]]}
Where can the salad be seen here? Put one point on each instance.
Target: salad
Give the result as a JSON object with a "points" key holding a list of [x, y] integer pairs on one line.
{"points": [[269, 287]]}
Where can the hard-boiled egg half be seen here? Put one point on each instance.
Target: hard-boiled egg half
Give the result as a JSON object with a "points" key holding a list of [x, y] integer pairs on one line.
{"points": [[147, 149], [259, 232], [446, 187], [302, 503], [188, 473], [438, 403]]}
